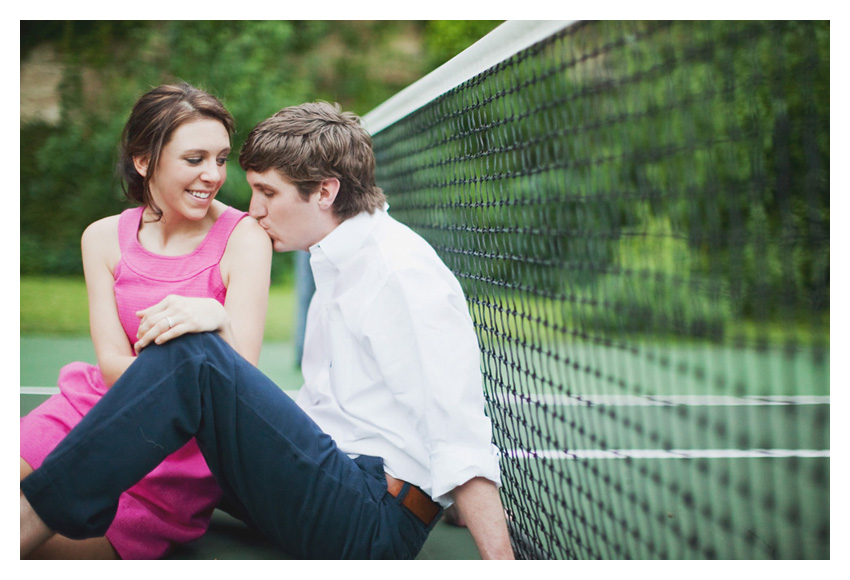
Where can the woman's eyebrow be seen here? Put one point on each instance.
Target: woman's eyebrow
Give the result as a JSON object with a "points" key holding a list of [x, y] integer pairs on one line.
{"points": [[200, 150]]}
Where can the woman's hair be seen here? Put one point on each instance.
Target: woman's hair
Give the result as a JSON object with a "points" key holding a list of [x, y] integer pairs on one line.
{"points": [[153, 120], [313, 142]]}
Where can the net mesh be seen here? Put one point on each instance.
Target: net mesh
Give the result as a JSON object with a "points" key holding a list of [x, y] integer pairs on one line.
{"points": [[639, 216]]}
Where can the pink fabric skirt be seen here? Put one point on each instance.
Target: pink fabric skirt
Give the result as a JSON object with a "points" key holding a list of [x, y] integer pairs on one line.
{"points": [[172, 505]]}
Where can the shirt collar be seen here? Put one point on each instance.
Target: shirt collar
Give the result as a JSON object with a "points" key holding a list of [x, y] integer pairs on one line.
{"points": [[339, 245]]}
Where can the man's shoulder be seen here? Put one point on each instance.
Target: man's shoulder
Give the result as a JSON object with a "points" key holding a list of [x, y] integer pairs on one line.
{"points": [[411, 260], [403, 240], [403, 251]]}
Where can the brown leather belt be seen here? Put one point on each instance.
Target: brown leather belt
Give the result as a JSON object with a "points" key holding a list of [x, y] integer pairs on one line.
{"points": [[416, 500]]}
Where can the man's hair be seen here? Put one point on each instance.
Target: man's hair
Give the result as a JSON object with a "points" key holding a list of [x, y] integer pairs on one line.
{"points": [[154, 119], [313, 142]]}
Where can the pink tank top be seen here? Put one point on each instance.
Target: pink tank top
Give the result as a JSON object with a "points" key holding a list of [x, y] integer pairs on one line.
{"points": [[143, 278]]}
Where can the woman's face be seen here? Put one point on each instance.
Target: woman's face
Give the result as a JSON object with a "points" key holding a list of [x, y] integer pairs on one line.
{"points": [[191, 169]]}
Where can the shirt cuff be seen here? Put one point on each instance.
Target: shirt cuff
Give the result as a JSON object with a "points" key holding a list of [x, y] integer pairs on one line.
{"points": [[455, 466]]}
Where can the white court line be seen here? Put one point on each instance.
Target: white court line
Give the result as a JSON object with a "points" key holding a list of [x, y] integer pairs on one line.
{"points": [[660, 400], [662, 454], [39, 390]]}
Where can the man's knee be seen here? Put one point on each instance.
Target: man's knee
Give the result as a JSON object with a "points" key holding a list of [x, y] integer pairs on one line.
{"points": [[184, 354], [198, 354], [183, 346]]}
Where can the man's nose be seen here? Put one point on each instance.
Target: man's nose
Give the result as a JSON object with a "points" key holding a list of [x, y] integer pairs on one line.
{"points": [[257, 209]]}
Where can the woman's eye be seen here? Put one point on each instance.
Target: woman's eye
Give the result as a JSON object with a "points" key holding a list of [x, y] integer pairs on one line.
{"points": [[194, 160]]}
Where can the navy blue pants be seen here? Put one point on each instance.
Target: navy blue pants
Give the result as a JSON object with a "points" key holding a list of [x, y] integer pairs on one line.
{"points": [[276, 467]]}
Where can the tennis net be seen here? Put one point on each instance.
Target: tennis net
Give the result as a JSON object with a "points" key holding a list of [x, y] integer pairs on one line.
{"points": [[639, 215]]}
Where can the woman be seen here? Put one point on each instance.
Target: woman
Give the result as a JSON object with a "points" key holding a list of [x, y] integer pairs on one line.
{"points": [[180, 262]]}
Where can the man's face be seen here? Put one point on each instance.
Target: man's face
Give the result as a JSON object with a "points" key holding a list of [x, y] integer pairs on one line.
{"points": [[292, 222]]}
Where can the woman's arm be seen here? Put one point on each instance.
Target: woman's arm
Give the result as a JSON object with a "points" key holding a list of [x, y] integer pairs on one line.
{"points": [[245, 271], [101, 253], [481, 508]]}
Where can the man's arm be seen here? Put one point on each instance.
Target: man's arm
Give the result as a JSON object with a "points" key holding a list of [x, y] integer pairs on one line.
{"points": [[481, 508]]}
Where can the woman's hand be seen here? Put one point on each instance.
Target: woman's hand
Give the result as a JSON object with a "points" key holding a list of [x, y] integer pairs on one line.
{"points": [[178, 315]]}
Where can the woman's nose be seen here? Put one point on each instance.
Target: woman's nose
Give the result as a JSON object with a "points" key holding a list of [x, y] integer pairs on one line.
{"points": [[212, 172]]}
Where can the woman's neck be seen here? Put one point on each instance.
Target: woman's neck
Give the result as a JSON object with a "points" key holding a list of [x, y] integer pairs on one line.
{"points": [[175, 235]]}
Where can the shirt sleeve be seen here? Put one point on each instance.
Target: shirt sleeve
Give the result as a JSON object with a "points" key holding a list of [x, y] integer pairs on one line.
{"points": [[424, 343]]}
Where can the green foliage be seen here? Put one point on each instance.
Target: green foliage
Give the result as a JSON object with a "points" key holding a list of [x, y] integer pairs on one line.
{"points": [[255, 67], [654, 288], [448, 38], [661, 177], [67, 181]]}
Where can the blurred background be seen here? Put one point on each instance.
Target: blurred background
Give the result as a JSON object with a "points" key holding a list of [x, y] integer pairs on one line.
{"points": [[79, 80]]}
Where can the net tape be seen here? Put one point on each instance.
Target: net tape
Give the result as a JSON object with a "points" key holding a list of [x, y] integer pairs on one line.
{"points": [[638, 213]]}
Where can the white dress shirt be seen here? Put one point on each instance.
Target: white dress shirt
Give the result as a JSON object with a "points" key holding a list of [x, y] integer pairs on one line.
{"points": [[391, 361]]}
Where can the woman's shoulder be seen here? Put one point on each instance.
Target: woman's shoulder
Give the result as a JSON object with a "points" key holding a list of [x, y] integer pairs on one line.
{"points": [[237, 223], [102, 230], [248, 234], [248, 249], [100, 242], [218, 209]]}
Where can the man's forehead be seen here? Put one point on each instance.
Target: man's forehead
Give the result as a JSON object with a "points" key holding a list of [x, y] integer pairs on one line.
{"points": [[268, 178]]}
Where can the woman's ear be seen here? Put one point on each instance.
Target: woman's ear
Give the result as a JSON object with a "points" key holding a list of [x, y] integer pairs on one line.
{"points": [[141, 164], [327, 192]]}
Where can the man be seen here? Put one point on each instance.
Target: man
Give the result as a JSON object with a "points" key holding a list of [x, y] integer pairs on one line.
{"points": [[389, 427]]}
